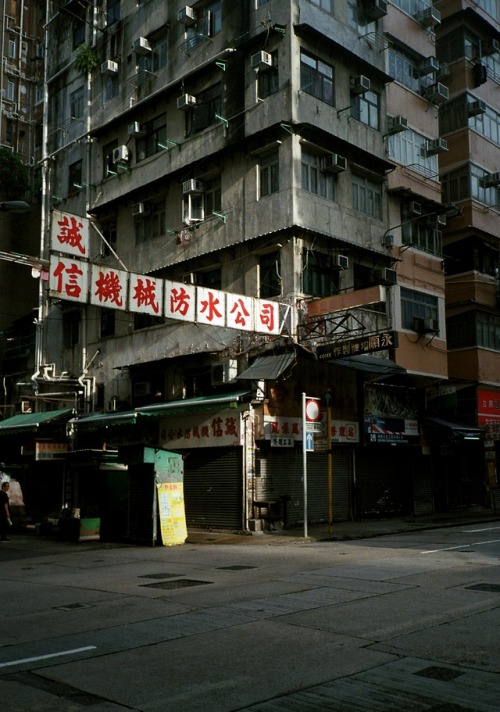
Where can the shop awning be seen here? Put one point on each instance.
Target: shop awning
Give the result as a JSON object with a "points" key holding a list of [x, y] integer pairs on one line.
{"points": [[29, 422], [194, 405], [267, 368], [370, 364], [101, 420], [455, 430]]}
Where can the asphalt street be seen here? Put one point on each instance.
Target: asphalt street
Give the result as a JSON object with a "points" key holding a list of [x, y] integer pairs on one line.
{"points": [[406, 621]]}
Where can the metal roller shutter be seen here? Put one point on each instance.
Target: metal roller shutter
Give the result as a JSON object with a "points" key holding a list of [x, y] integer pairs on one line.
{"points": [[213, 488]]}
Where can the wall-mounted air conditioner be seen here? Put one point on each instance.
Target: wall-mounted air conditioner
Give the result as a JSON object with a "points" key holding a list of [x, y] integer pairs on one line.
{"points": [[395, 124], [191, 278], [428, 66], [193, 186], [375, 9], [444, 70], [185, 102], [435, 146], [425, 326], [121, 154], [475, 108], [333, 163], [224, 372], [440, 221], [109, 68], [140, 209], [25, 406], [142, 46], [388, 276], [134, 129], [261, 60], [436, 93], [492, 180], [360, 84], [490, 47], [187, 16], [341, 261], [429, 17], [415, 208]]}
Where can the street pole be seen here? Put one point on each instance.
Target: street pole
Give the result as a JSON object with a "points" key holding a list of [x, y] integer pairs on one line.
{"points": [[304, 460], [330, 465]]}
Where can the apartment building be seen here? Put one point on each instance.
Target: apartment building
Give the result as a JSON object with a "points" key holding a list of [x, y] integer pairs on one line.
{"points": [[244, 208]]}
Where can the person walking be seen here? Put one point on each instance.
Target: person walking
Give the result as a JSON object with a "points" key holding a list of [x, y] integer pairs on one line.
{"points": [[5, 520]]}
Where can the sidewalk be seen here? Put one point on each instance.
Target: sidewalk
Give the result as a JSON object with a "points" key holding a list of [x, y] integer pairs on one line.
{"points": [[342, 531]]}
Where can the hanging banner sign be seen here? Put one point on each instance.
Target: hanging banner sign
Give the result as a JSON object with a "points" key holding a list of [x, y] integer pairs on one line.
{"points": [[69, 234]]}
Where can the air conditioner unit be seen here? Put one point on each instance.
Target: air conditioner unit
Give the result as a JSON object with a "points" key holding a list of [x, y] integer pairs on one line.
{"points": [[121, 154], [436, 93], [475, 108], [428, 66], [109, 67], [425, 326], [224, 372], [444, 70], [25, 406], [134, 129], [397, 124], [191, 278], [493, 180], [388, 276], [186, 101], [333, 163], [430, 17], [142, 46], [360, 84], [261, 60], [435, 146], [375, 9], [140, 209], [187, 16], [193, 186], [341, 261], [490, 47], [414, 208]]}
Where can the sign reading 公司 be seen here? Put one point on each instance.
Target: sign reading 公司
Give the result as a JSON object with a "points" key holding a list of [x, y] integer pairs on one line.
{"points": [[361, 345], [73, 278]]}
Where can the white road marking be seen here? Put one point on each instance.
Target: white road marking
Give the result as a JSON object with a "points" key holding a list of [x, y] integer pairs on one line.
{"points": [[460, 546], [46, 657], [475, 531]]}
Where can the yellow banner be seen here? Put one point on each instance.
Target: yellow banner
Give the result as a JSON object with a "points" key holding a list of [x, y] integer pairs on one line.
{"points": [[172, 513]]}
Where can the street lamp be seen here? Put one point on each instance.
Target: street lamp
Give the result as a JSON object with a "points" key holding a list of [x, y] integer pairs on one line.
{"points": [[14, 206]]}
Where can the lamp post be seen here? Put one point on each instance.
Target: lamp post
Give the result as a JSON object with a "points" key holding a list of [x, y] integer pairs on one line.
{"points": [[14, 206]]}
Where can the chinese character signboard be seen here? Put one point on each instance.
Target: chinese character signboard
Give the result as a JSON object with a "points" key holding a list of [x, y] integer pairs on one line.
{"points": [[342, 431], [109, 287], [222, 428], [180, 301], [362, 345], [70, 234], [488, 412], [240, 312], [211, 306], [68, 278], [146, 295]]}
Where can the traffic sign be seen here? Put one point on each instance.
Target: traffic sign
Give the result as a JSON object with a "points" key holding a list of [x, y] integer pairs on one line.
{"points": [[314, 427], [313, 411], [309, 442]]}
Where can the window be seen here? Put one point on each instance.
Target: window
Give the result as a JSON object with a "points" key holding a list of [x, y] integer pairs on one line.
{"points": [[423, 235], [153, 139], [113, 14], [108, 229], [367, 196], [320, 277], [417, 304], [78, 33], [269, 170], [11, 90], [74, 176], [316, 78], [155, 60], [77, 103], [365, 108], [470, 181], [454, 115], [268, 81], [12, 49], [314, 179], [108, 322], [111, 86], [109, 167], [210, 278], [151, 224], [409, 148], [326, 5], [412, 6], [213, 196], [269, 275], [472, 253], [203, 114], [209, 24], [474, 329]]}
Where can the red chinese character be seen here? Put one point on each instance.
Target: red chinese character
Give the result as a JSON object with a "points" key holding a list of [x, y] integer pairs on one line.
{"points": [[285, 428], [231, 426], [295, 428], [267, 316], [145, 294], [205, 432], [210, 306], [72, 288], [241, 311], [216, 427], [274, 428], [179, 301], [196, 431], [187, 434], [70, 233], [108, 288]]}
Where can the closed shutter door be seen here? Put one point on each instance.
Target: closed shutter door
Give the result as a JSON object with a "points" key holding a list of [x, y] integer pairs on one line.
{"points": [[281, 474], [383, 483], [213, 488]]}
